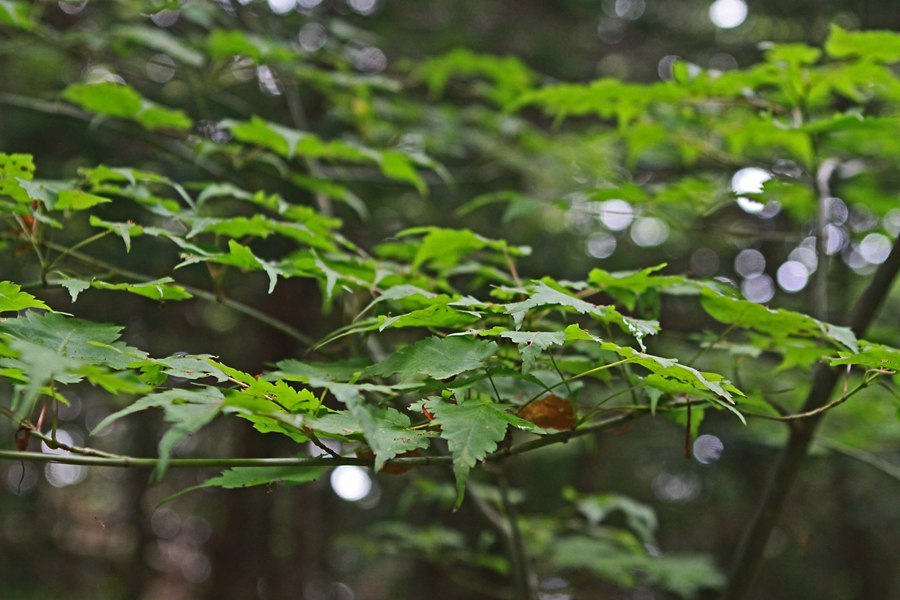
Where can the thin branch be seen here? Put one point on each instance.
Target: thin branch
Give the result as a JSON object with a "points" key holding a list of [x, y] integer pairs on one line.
{"points": [[886, 467], [240, 307], [520, 572], [566, 381], [824, 380], [410, 461], [173, 147]]}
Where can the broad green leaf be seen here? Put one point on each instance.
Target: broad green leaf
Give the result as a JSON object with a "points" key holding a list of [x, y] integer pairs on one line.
{"points": [[16, 14], [282, 395], [397, 166], [472, 431], [78, 339], [229, 43], [110, 99], [440, 358], [596, 508], [124, 230], [443, 248], [711, 385], [159, 289], [387, 431], [124, 102], [344, 370], [532, 343], [792, 54], [153, 117], [12, 298], [242, 257], [78, 200], [775, 322], [682, 575], [241, 477], [73, 285], [38, 365], [435, 316], [16, 166], [881, 46], [541, 295], [871, 356], [508, 77], [186, 410]]}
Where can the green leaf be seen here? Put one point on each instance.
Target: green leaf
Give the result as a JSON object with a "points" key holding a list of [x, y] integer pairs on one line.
{"points": [[12, 298], [871, 356], [396, 165], [435, 316], [186, 410], [344, 370], [387, 431], [110, 99], [440, 358], [16, 14], [532, 343], [73, 285], [596, 508], [444, 248], [123, 230], [682, 575], [124, 102], [241, 477], [508, 77], [158, 289], [78, 200], [73, 338], [778, 323], [153, 117], [880, 46], [472, 431], [16, 166], [541, 295]]}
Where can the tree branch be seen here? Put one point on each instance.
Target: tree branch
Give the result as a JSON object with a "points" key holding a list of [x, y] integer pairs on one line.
{"points": [[750, 552], [410, 461]]}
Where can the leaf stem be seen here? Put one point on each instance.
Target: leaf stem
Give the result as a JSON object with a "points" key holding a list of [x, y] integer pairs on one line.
{"points": [[240, 307], [574, 377]]}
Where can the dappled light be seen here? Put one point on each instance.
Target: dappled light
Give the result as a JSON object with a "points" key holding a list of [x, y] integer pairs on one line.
{"points": [[360, 298]]}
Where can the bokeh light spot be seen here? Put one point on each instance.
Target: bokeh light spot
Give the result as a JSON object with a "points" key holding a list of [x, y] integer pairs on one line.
{"points": [[616, 215], [351, 483], [708, 449], [749, 180], [601, 245], [312, 36], [749, 263], [704, 262], [728, 14], [792, 276], [760, 288], [281, 7], [160, 68], [875, 248], [649, 231]]}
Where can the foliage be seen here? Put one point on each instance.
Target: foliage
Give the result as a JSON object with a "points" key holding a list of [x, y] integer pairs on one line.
{"points": [[440, 350]]}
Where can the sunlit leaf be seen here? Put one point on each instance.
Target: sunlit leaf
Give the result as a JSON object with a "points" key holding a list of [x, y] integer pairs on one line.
{"points": [[12, 298]]}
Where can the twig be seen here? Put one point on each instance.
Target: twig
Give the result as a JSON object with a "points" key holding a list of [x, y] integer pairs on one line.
{"points": [[750, 552], [199, 293]]}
